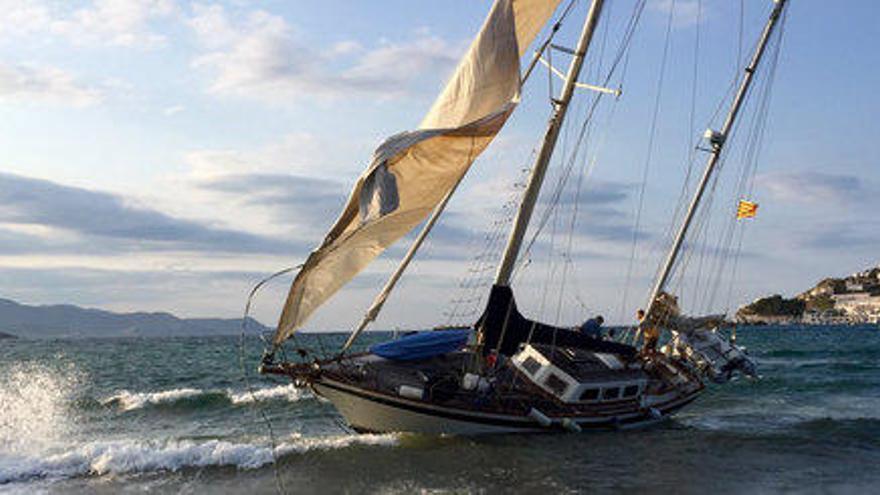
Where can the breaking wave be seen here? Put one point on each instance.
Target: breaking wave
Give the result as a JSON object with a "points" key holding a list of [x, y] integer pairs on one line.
{"points": [[34, 405], [283, 392], [120, 457], [129, 401]]}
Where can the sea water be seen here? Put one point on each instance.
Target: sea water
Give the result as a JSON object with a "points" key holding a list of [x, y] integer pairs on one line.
{"points": [[174, 415]]}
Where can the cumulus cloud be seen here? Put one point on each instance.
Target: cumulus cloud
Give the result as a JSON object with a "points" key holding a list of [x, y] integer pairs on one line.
{"points": [[21, 83], [100, 217], [100, 22], [21, 17], [260, 56]]}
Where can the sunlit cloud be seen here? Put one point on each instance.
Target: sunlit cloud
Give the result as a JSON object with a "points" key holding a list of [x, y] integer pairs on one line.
{"points": [[260, 56], [127, 23], [26, 83]]}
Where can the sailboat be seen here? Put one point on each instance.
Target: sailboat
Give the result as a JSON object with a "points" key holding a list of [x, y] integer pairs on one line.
{"points": [[505, 372]]}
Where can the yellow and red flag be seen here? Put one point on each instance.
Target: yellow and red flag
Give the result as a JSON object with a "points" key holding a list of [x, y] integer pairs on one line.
{"points": [[746, 209]]}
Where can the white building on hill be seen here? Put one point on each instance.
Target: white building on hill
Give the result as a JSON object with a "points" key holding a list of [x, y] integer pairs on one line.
{"points": [[860, 307]]}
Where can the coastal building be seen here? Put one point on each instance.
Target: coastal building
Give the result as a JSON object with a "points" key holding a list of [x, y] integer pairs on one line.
{"points": [[854, 286], [859, 307], [830, 317]]}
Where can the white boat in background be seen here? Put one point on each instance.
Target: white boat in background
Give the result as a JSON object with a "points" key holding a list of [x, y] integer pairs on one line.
{"points": [[506, 372]]}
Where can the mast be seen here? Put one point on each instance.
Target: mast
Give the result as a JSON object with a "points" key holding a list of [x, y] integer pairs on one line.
{"points": [[530, 197], [717, 140]]}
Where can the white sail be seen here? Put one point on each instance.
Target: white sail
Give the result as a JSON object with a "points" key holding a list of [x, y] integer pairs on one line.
{"points": [[411, 172]]}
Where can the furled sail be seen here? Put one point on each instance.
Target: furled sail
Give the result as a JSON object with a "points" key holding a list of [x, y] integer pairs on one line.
{"points": [[411, 172]]}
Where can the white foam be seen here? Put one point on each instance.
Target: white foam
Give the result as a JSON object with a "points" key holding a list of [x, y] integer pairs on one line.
{"points": [[123, 457], [34, 405], [99, 458], [288, 392], [128, 401], [137, 400], [301, 444]]}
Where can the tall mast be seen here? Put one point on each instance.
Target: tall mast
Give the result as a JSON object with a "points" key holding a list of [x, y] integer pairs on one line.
{"points": [[530, 197], [717, 140]]}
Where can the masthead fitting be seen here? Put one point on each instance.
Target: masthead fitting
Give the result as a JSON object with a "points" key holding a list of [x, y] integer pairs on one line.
{"points": [[715, 138]]}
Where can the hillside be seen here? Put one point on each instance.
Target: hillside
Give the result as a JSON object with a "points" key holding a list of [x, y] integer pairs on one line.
{"points": [[64, 320], [851, 299]]}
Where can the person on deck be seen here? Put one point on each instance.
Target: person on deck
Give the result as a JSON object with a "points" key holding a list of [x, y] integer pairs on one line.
{"points": [[650, 333], [593, 327]]}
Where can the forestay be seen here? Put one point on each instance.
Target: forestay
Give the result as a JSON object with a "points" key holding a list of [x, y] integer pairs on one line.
{"points": [[411, 172]]}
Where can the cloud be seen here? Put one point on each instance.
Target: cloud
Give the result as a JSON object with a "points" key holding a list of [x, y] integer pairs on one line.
{"points": [[599, 215], [173, 110], [21, 17], [687, 12], [293, 200], [813, 187], [298, 184], [851, 236], [128, 23], [185, 292], [300, 153], [22, 83], [100, 216], [259, 56]]}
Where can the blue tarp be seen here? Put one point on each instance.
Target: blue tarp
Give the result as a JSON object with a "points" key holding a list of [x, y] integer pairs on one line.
{"points": [[422, 345]]}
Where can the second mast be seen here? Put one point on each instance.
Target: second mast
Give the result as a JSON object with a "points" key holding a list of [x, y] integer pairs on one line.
{"points": [[536, 178]]}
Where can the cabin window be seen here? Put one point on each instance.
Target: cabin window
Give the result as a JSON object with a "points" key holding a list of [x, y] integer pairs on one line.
{"points": [[631, 391], [556, 384], [531, 365], [610, 393], [589, 394]]}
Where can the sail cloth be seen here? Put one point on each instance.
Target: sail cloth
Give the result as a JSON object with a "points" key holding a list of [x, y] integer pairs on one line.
{"points": [[411, 172]]}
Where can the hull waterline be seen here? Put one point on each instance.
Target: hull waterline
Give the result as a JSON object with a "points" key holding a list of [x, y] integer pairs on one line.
{"points": [[368, 411]]}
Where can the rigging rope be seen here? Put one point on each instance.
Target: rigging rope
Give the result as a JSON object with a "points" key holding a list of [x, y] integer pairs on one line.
{"points": [[623, 50], [716, 257], [756, 145], [477, 277], [260, 407], [648, 157]]}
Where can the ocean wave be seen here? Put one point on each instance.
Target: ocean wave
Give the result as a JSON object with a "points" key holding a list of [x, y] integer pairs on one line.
{"points": [[120, 457], [284, 392], [769, 415], [34, 402], [129, 401]]}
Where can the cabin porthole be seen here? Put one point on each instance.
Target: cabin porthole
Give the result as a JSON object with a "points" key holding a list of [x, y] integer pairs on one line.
{"points": [[610, 393], [589, 395], [556, 384]]}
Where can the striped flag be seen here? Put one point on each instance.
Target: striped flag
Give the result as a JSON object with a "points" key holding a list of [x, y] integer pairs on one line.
{"points": [[746, 209]]}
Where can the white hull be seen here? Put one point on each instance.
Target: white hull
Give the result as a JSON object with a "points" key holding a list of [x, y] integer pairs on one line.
{"points": [[368, 411]]}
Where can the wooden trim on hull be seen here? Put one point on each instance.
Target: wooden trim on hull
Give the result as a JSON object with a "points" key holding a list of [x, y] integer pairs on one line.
{"points": [[375, 412]]}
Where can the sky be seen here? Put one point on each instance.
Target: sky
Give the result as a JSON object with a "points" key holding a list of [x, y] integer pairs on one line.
{"points": [[163, 155]]}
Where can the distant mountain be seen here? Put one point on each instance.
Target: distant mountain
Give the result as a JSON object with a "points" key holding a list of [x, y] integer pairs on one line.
{"points": [[65, 320]]}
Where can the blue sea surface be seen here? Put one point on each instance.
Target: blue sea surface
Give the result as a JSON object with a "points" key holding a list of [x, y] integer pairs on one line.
{"points": [[174, 416]]}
